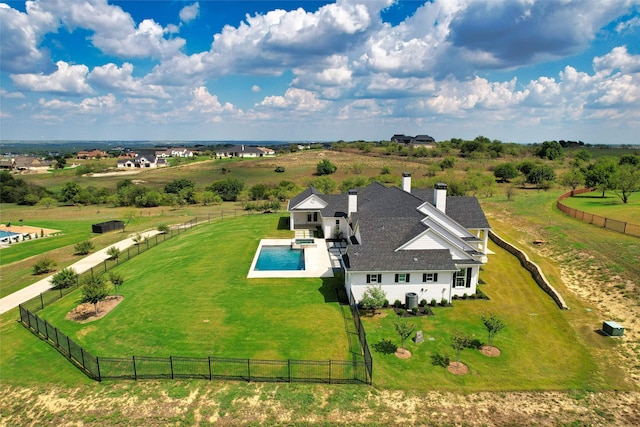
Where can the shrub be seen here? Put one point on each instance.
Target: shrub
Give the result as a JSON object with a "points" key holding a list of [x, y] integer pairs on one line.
{"points": [[438, 359], [113, 252], [64, 279], [325, 167], [279, 169], [43, 266], [163, 228], [397, 303], [444, 302], [475, 344], [83, 248], [434, 302], [385, 347], [385, 303], [465, 296], [423, 302], [401, 312], [415, 310], [455, 297]]}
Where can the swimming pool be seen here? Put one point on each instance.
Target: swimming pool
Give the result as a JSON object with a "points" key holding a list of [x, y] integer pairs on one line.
{"points": [[276, 258], [4, 234]]}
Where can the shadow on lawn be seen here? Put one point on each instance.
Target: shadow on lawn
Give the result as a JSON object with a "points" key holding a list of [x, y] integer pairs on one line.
{"points": [[330, 289]]}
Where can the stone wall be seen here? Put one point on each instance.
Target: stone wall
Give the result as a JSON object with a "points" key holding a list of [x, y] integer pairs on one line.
{"points": [[532, 267]]}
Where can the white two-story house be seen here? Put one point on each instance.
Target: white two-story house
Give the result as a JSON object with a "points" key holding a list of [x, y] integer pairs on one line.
{"points": [[406, 240]]}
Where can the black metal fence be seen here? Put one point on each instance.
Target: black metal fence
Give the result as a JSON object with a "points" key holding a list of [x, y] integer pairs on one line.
{"points": [[142, 367]]}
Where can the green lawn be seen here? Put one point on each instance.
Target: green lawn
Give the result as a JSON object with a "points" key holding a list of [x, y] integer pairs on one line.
{"points": [[540, 350], [610, 206], [190, 297]]}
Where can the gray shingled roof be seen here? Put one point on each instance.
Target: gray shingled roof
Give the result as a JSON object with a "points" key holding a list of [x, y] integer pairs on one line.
{"points": [[465, 210], [304, 195]]}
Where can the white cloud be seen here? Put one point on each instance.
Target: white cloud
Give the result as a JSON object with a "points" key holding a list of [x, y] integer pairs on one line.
{"points": [[68, 80], [255, 88], [114, 79], [618, 59], [10, 95], [627, 25], [20, 35], [189, 13], [298, 100], [208, 105]]}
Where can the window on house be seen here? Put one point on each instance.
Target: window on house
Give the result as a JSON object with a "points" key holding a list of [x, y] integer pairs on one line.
{"points": [[462, 278], [403, 278], [315, 217], [337, 222], [309, 217], [429, 277], [374, 278]]}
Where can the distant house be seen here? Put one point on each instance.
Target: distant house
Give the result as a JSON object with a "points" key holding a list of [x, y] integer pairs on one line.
{"points": [[91, 154], [25, 163], [408, 241], [142, 162], [245, 151], [411, 141], [174, 152]]}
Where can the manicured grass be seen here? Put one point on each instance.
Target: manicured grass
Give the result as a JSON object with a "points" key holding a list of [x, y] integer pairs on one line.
{"points": [[190, 297], [540, 350], [610, 206]]}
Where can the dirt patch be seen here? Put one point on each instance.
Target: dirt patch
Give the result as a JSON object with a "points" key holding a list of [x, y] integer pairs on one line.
{"points": [[458, 368], [490, 351], [403, 353], [86, 312]]}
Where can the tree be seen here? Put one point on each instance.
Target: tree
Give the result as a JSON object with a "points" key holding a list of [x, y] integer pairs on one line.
{"points": [[324, 184], [373, 298], [67, 277], [572, 178], [459, 342], [43, 266], [325, 167], [94, 290], [113, 252], [540, 175], [404, 328], [61, 162], [178, 185], [228, 189], [493, 324], [83, 248], [625, 181], [129, 215], [505, 171], [47, 202], [69, 193], [116, 279], [550, 150], [599, 174]]}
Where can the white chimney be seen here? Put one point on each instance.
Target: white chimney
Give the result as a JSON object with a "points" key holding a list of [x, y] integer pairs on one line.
{"points": [[440, 196], [406, 182], [242, 147], [352, 206]]}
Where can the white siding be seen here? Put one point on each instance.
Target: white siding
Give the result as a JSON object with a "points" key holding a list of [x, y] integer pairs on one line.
{"points": [[357, 282]]}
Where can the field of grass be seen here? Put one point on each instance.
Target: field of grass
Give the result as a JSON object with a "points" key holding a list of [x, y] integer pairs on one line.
{"points": [[190, 297], [609, 206]]}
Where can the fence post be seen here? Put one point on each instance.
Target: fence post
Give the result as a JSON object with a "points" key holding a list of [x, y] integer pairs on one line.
{"points": [[98, 367], [289, 368], [171, 365], [82, 355], [41, 302], [135, 373], [209, 358], [329, 371], [249, 369]]}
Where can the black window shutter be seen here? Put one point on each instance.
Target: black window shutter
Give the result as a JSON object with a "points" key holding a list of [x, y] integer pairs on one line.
{"points": [[379, 278], [469, 277], [435, 277], [424, 277], [455, 276], [407, 280], [396, 277], [368, 278]]}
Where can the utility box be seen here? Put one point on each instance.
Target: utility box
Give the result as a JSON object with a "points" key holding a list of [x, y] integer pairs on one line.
{"points": [[613, 329], [411, 300]]}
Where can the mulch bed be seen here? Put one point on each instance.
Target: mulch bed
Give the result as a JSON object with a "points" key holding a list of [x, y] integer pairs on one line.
{"points": [[490, 351], [403, 353], [458, 368], [86, 312]]}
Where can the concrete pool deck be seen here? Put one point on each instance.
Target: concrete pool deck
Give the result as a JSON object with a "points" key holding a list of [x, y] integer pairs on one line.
{"points": [[316, 260]]}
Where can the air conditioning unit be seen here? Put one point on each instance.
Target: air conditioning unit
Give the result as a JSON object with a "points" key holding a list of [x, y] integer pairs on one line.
{"points": [[613, 329]]}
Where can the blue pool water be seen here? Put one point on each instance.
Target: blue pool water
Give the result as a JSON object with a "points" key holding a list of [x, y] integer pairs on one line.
{"points": [[280, 258], [4, 234]]}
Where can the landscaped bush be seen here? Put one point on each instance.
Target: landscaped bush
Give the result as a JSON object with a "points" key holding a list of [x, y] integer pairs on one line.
{"points": [[64, 279], [434, 302], [43, 266], [397, 303], [444, 302], [385, 347], [423, 302], [438, 359], [84, 248], [163, 228], [385, 303]]}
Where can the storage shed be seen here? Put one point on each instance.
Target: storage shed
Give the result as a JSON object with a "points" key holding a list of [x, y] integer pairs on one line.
{"points": [[105, 227]]}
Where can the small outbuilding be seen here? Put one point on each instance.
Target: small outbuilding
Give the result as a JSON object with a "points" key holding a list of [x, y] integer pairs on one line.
{"points": [[613, 329], [105, 227]]}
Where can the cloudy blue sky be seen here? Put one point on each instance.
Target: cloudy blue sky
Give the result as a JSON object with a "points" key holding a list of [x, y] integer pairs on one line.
{"points": [[515, 70]]}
